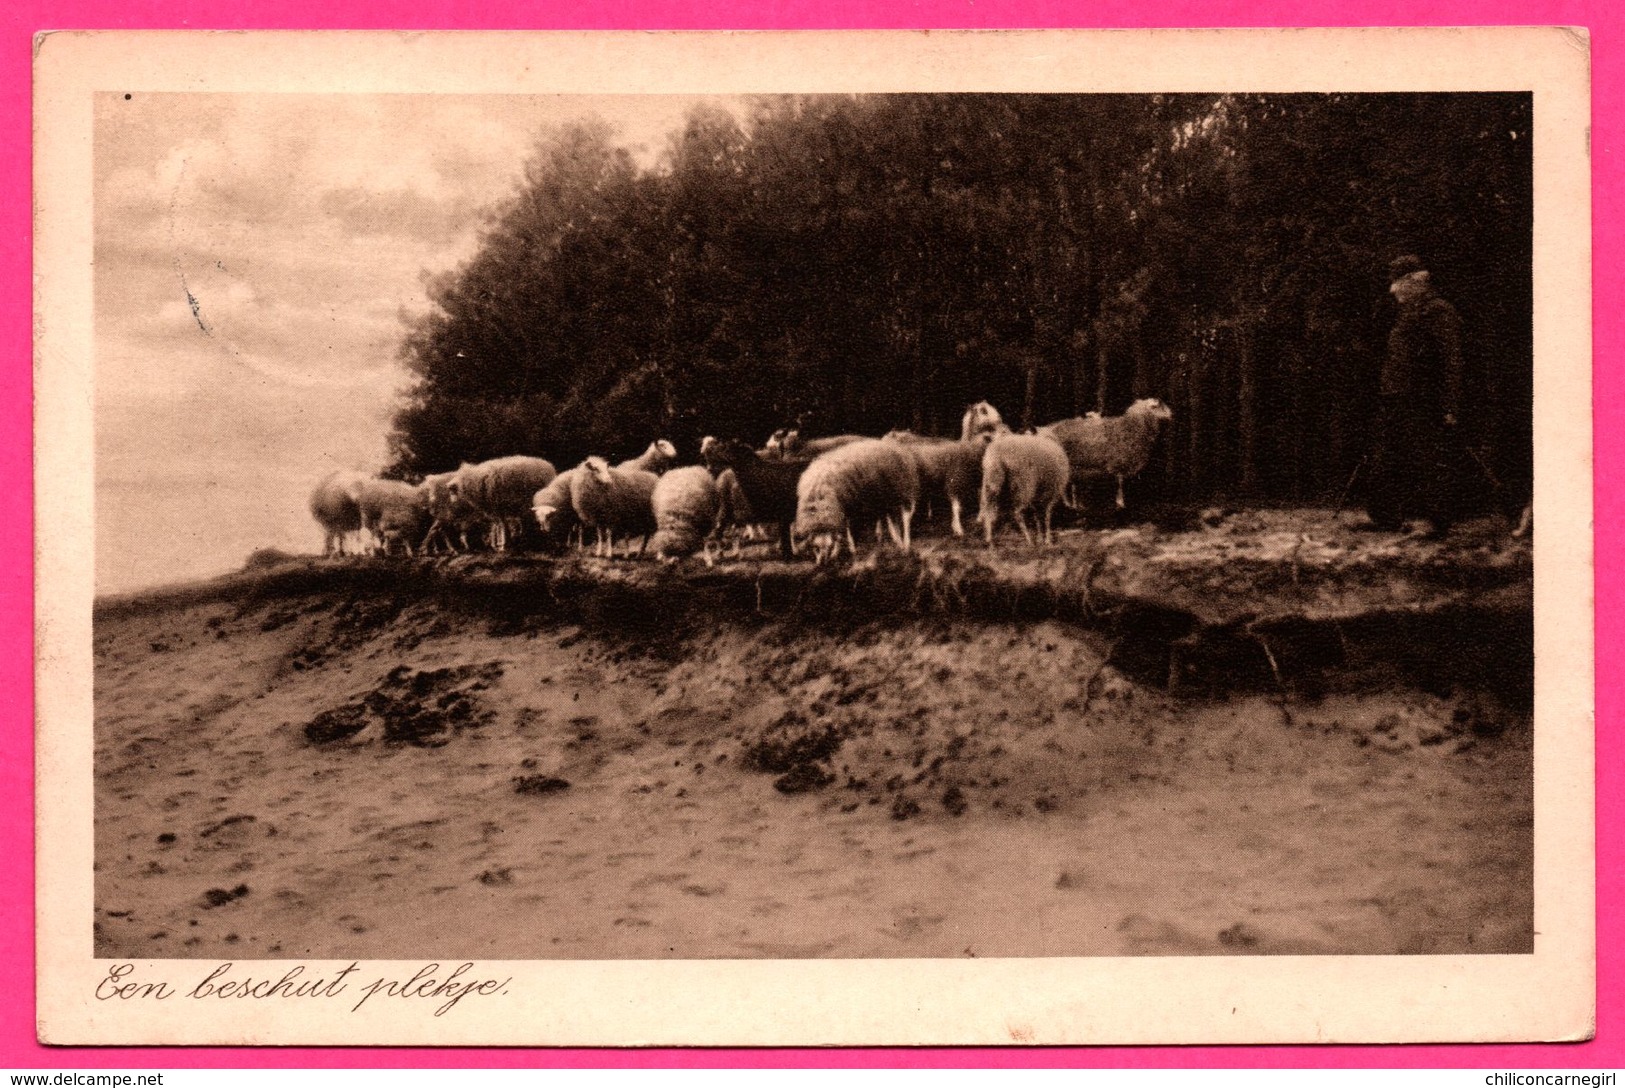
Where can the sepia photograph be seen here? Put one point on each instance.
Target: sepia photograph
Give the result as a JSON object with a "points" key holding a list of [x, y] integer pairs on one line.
{"points": [[1069, 525]]}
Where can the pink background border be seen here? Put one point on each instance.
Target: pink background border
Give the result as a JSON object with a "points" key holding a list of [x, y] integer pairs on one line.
{"points": [[22, 18]]}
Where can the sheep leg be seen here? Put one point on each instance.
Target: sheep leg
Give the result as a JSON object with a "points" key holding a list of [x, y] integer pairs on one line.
{"points": [[436, 533], [1120, 503], [908, 518], [851, 545], [1049, 518], [989, 518], [892, 531], [1021, 523], [955, 505]]}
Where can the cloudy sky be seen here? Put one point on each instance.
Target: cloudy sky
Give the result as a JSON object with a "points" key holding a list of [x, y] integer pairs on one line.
{"points": [[254, 255]]}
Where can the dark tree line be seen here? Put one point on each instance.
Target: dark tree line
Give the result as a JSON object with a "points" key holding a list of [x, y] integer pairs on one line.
{"points": [[864, 263]]}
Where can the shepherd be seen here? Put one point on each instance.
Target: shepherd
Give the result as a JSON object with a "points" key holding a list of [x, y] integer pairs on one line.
{"points": [[1417, 470]]}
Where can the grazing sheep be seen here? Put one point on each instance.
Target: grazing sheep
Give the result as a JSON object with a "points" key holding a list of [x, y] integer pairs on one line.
{"points": [[1024, 473], [502, 490], [404, 525], [769, 485], [394, 513], [656, 459], [1116, 446], [554, 511], [861, 483], [948, 468], [791, 444], [453, 516], [686, 505], [980, 418], [333, 506], [614, 500]]}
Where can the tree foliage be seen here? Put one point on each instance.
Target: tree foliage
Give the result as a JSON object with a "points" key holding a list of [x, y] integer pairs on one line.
{"points": [[863, 263]]}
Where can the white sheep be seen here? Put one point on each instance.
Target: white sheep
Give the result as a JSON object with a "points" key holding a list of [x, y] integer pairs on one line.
{"points": [[553, 508], [863, 483], [686, 506], [791, 444], [656, 459], [395, 513], [453, 516], [947, 468], [501, 490], [1118, 446], [333, 506], [613, 500], [1023, 473]]}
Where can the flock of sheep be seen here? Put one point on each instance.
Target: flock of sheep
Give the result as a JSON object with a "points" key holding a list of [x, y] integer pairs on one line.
{"points": [[816, 491]]}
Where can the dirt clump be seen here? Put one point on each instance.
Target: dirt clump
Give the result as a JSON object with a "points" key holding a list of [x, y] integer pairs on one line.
{"points": [[219, 897], [802, 778], [418, 707], [340, 723], [538, 784]]}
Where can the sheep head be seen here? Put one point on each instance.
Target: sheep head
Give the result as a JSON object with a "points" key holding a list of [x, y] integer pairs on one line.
{"points": [[728, 452], [825, 543], [775, 443], [1152, 408], [820, 520], [599, 468], [978, 418]]}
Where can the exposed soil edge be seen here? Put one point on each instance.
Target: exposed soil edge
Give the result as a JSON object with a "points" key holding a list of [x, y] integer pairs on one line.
{"points": [[1459, 633]]}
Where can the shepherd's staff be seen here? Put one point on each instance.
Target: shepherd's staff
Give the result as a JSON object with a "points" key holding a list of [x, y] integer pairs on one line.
{"points": [[1343, 495]]}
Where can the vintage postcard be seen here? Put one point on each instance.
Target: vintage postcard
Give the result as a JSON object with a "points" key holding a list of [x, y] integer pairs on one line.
{"points": [[814, 538]]}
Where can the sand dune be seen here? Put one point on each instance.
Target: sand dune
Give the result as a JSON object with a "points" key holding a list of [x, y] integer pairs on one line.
{"points": [[353, 774]]}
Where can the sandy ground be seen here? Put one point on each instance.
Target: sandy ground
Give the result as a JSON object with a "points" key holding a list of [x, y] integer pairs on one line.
{"points": [[339, 777]]}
